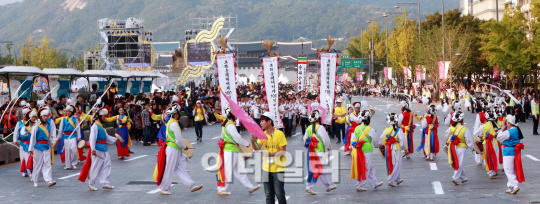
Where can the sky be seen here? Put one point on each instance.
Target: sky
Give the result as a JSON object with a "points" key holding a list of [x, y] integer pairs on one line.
{"points": [[4, 2]]}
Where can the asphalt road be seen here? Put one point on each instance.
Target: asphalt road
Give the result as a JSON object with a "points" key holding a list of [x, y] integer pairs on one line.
{"points": [[424, 181]]}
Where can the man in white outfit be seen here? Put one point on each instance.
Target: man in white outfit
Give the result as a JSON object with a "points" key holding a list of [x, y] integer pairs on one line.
{"points": [[511, 137], [22, 140], [233, 158], [176, 160], [317, 142], [478, 124], [68, 124], [40, 145], [459, 138], [100, 159], [394, 140]]}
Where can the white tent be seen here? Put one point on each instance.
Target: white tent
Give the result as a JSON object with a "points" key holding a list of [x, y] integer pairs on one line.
{"points": [[252, 79], [282, 79]]}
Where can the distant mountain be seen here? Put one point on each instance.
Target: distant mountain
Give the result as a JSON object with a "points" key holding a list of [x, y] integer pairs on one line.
{"points": [[72, 24]]}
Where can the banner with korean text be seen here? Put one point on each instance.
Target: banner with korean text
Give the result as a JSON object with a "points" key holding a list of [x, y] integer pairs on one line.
{"points": [[328, 83], [443, 69], [270, 68], [226, 78], [302, 75]]}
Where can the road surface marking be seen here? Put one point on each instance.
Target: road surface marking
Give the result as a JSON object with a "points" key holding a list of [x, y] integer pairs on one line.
{"points": [[194, 143], [533, 158], [296, 134], [65, 177], [342, 148], [216, 137], [433, 166], [136, 158], [438, 188]]}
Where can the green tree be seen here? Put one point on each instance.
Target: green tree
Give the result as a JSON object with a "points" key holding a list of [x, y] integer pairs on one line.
{"points": [[402, 44]]}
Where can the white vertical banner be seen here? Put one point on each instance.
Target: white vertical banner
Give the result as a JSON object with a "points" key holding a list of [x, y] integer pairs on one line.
{"points": [[389, 72], [227, 79], [302, 75], [328, 83], [270, 67]]}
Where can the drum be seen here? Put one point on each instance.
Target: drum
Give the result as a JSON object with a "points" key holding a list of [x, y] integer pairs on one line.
{"points": [[81, 144], [247, 152], [189, 152], [372, 112], [478, 147]]}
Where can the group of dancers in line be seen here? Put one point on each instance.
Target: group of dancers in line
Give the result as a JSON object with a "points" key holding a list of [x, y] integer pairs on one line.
{"points": [[500, 139]]}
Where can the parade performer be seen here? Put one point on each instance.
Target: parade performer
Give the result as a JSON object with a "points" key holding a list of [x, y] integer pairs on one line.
{"points": [[458, 140], [171, 158], [407, 126], [430, 138], [66, 128], [362, 169], [318, 144], [480, 120], [456, 106], [393, 139], [121, 120], [488, 133], [43, 133], [230, 157], [98, 162], [511, 137], [348, 121], [23, 140], [355, 121]]}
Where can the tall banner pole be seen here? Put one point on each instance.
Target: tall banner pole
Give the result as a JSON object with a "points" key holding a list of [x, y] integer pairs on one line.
{"points": [[270, 64], [302, 75], [226, 77], [328, 69]]}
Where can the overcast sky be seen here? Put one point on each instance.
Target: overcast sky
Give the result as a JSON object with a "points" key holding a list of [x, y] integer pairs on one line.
{"points": [[4, 2]]}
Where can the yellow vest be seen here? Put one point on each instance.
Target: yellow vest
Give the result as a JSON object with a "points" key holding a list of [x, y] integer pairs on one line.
{"points": [[461, 135], [390, 131]]}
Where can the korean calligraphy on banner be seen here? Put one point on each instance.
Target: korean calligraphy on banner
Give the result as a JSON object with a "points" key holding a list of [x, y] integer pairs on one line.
{"points": [[302, 75], [270, 67], [226, 78], [328, 83]]}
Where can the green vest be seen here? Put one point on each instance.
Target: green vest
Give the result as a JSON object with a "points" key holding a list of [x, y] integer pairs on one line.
{"points": [[320, 144], [229, 139], [171, 138], [512, 103], [367, 147], [535, 112]]}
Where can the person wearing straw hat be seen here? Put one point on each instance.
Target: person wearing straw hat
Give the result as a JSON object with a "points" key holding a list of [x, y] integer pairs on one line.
{"points": [[99, 161], [459, 139], [230, 157], [23, 140], [68, 123], [41, 139], [170, 157], [392, 140], [362, 169], [492, 150], [510, 136]]}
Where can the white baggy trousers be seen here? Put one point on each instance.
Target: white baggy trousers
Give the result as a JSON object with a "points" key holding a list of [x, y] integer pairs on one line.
{"points": [[176, 161]]}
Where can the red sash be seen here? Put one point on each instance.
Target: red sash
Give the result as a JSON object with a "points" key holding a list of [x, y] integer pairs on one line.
{"points": [[389, 166], [482, 117], [161, 161], [68, 132], [517, 162], [88, 163], [314, 161], [30, 162], [455, 160], [221, 165], [360, 161], [350, 131], [491, 157], [43, 141], [23, 165], [451, 121]]}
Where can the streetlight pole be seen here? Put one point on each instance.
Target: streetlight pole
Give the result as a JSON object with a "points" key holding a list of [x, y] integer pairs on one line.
{"points": [[443, 44], [419, 16]]}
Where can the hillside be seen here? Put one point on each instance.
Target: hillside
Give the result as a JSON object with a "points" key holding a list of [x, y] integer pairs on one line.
{"points": [[72, 24]]}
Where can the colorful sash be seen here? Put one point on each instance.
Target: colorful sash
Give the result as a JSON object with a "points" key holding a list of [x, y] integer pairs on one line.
{"points": [[517, 162], [350, 131], [314, 163], [432, 139], [220, 176], [453, 142], [85, 172], [360, 161], [388, 153], [409, 134], [489, 153]]}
